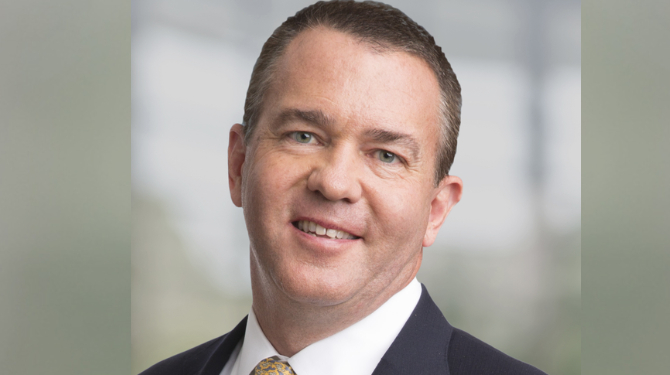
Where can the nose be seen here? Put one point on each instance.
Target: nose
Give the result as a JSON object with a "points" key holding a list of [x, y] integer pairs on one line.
{"points": [[336, 176]]}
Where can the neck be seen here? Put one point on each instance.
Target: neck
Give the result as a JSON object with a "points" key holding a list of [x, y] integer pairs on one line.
{"points": [[292, 325]]}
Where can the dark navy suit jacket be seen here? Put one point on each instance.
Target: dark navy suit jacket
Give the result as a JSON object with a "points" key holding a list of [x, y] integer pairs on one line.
{"points": [[427, 344]]}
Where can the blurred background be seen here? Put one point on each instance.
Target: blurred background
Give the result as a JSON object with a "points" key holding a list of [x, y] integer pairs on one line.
{"points": [[506, 266]]}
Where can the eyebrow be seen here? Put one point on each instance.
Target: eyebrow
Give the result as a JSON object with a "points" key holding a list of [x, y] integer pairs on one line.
{"points": [[315, 117]]}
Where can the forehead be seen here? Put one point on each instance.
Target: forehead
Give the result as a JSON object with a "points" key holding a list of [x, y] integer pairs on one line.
{"points": [[358, 86]]}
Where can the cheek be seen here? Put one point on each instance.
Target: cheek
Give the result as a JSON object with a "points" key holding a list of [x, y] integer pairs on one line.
{"points": [[402, 215], [268, 178], [401, 200], [268, 189], [271, 185]]}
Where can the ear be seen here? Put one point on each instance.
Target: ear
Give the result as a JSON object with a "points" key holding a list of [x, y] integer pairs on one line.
{"points": [[236, 154], [448, 193]]}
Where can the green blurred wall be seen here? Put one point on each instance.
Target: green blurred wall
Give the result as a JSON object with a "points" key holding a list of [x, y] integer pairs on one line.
{"points": [[625, 185], [64, 187]]}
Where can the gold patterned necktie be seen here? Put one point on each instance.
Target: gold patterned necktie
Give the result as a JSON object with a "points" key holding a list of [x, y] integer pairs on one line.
{"points": [[272, 366]]}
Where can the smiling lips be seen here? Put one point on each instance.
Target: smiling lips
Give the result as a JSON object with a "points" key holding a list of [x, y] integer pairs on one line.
{"points": [[317, 230]]}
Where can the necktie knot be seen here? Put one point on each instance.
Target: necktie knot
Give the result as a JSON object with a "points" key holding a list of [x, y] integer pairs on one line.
{"points": [[272, 366]]}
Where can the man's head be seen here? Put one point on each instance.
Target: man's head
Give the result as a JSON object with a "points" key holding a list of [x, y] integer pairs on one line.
{"points": [[346, 142], [384, 29]]}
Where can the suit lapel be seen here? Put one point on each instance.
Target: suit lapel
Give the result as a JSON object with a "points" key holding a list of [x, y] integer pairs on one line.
{"points": [[422, 345], [218, 358]]}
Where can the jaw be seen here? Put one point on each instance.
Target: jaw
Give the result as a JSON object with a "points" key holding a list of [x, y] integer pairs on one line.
{"points": [[323, 272]]}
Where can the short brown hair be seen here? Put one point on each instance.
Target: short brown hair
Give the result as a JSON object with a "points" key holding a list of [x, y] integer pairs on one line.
{"points": [[384, 28]]}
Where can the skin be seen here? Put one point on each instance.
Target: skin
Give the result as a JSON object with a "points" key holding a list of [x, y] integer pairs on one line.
{"points": [[319, 152]]}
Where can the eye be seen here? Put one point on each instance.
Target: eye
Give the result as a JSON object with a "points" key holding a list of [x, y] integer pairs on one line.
{"points": [[386, 157], [302, 137]]}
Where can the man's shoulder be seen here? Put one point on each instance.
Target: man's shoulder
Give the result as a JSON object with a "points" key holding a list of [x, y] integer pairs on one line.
{"points": [[188, 362], [469, 355], [205, 359], [428, 344]]}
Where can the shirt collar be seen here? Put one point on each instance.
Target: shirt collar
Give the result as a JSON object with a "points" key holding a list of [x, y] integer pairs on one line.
{"points": [[356, 350]]}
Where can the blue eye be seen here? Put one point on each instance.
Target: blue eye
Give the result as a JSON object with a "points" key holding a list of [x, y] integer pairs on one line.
{"points": [[302, 137], [386, 157]]}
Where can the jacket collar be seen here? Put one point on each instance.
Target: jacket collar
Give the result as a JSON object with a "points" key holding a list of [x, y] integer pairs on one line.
{"points": [[422, 345], [219, 357]]}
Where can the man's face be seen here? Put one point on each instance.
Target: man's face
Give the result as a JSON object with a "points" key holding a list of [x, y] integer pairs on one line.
{"points": [[347, 140]]}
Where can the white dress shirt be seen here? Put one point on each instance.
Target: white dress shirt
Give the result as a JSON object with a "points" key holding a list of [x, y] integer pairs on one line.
{"points": [[356, 350]]}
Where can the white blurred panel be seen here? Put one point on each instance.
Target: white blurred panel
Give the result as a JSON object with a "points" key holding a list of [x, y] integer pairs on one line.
{"points": [[189, 91], [563, 117], [495, 212]]}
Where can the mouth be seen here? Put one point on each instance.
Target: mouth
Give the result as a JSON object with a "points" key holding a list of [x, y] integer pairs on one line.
{"points": [[317, 230]]}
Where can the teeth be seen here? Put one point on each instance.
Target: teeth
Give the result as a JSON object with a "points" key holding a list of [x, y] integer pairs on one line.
{"points": [[315, 229]]}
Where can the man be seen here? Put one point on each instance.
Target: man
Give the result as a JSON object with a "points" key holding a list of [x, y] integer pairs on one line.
{"points": [[341, 168]]}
